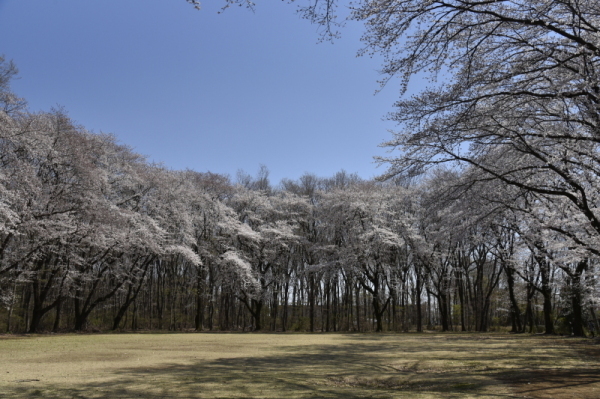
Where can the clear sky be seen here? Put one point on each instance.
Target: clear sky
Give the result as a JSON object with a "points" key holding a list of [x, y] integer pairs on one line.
{"points": [[202, 90]]}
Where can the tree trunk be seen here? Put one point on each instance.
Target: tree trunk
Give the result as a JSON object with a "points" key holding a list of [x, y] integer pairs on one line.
{"points": [[546, 289], [311, 300], [379, 311], [274, 308], [257, 305], [461, 298], [80, 319], [547, 294], [577, 312], [199, 319], [419, 289], [357, 308], [122, 309], [11, 307], [443, 307], [548, 323], [576, 298], [515, 313], [57, 317], [284, 318], [429, 323], [327, 304]]}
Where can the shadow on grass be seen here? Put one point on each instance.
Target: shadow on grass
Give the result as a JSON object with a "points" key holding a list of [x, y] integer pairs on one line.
{"points": [[579, 383], [383, 367]]}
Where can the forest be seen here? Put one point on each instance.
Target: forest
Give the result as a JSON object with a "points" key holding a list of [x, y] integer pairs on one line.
{"points": [[488, 220]]}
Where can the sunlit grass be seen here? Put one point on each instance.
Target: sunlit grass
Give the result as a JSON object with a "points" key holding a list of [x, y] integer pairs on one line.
{"points": [[298, 366]]}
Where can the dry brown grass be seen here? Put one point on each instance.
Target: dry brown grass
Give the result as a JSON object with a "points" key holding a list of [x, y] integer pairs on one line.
{"points": [[298, 366]]}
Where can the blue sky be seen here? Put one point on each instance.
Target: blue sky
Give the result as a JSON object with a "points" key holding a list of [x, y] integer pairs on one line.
{"points": [[202, 90]]}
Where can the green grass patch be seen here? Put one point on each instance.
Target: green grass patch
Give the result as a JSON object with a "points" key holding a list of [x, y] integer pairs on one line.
{"points": [[224, 365]]}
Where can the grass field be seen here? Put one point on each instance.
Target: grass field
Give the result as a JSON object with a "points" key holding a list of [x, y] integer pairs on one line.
{"points": [[298, 366]]}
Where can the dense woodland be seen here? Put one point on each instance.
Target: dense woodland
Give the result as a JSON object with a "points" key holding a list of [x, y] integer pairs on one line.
{"points": [[489, 218]]}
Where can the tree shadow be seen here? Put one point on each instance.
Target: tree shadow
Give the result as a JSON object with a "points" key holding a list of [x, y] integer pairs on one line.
{"points": [[554, 383]]}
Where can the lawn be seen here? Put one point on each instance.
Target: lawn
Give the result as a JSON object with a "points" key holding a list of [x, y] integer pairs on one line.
{"points": [[298, 366]]}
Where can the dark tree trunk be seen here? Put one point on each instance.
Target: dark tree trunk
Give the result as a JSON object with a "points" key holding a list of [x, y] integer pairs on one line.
{"points": [[255, 308], [461, 298], [132, 294], [40, 292], [36, 318], [274, 308], [429, 322], [84, 308], [284, 318], [529, 320], [379, 311], [57, 317], [80, 315], [547, 295], [199, 319], [357, 308], [443, 307], [327, 304], [546, 289], [515, 313], [257, 305], [11, 307], [311, 299], [418, 291], [37, 314], [577, 313], [576, 300], [548, 323]]}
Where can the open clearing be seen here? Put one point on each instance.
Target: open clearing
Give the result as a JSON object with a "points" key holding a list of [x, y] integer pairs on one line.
{"points": [[298, 366]]}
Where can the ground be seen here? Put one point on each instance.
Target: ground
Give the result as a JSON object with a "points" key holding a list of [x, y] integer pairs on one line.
{"points": [[224, 365]]}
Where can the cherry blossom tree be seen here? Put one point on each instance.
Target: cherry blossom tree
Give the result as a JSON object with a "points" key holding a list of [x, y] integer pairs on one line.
{"points": [[520, 100], [361, 220]]}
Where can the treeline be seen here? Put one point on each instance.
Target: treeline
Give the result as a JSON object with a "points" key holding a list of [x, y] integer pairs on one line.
{"points": [[94, 237]]}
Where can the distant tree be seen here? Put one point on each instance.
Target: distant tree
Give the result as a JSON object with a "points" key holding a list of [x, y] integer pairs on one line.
{"points": [[360, 223]]}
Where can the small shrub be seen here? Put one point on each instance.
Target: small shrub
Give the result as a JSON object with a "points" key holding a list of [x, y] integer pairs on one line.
{"points": [[302, 324]]}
